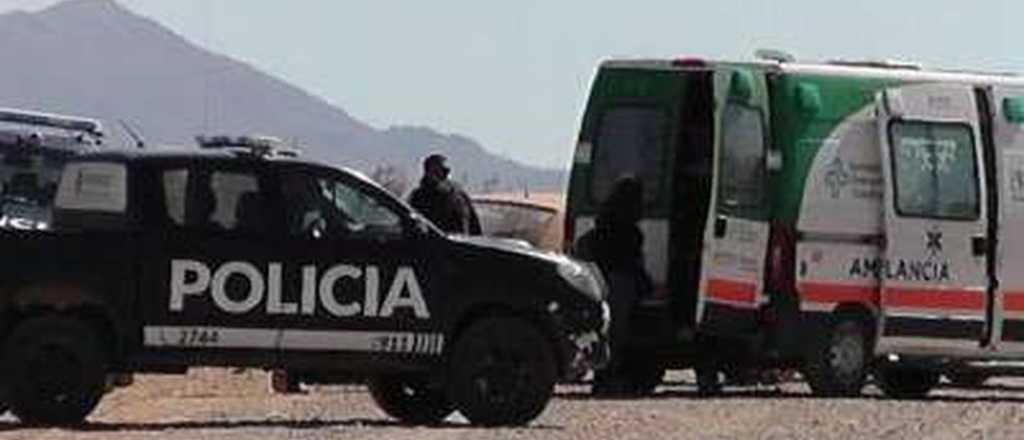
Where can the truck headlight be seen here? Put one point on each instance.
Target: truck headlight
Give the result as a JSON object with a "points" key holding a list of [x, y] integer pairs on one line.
{"points": [[583, 277]]}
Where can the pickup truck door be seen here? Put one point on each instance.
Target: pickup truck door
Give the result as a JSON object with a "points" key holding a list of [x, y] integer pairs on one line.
{"points": [[935, 279], [209, 279], [367, 288], [736, 235]]}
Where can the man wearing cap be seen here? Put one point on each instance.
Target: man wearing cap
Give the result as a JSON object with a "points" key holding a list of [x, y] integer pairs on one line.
{"points": [[443, 201]]}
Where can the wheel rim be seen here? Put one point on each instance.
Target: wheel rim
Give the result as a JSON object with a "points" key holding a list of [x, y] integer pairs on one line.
{"points": [[500, 374], [846, 355]]}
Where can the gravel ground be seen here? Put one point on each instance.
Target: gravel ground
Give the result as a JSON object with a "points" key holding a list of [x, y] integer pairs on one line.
{"points": [[220, 404]]}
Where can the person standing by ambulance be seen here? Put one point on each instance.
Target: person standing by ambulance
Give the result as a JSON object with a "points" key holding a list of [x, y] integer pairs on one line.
{"points": [[616, 245], [442, 201]]}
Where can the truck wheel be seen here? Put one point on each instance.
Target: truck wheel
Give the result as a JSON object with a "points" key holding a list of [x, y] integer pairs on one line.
{"points": [[56, 370], [502, 372], [838, 367], [968, 379], [906, 383], [410, 398]]}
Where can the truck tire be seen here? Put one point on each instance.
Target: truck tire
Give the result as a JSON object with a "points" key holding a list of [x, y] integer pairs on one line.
{"points": [[838, 366], [410, 398], [906, 383], [502, 372], [968, 379], [56, 370]]}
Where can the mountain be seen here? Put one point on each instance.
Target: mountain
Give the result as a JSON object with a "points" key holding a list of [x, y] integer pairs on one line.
{"points": [[96, 58]]}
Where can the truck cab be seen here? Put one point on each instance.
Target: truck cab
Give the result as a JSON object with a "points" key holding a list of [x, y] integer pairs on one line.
{"points": [[237, 255]]}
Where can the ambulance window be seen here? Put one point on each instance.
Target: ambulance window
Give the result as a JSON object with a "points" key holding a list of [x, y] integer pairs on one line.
{"points": [[741, 170], [630, 141], [935, 170]]}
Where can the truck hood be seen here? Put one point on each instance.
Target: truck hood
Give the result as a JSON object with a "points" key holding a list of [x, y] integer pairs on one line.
{"points": [[508, 245]]}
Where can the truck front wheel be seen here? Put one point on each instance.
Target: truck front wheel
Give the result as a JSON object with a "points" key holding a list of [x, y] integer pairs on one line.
{"points": [[56, 370], [838, 366], [502, 372], [410, 398]]}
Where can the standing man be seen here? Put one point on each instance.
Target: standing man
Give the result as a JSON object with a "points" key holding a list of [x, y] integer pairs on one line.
{"points": [[443, 201]]}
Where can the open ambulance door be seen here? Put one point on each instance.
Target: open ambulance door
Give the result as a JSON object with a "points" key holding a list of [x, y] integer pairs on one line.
{"points": [[934, 288], [736, 235]]}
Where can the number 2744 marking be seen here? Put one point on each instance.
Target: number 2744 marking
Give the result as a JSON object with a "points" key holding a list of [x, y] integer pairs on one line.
{"points": [[197, 337]]}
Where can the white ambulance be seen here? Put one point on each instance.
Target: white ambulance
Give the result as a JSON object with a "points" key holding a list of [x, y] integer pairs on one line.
{"points": [[845, 218]]}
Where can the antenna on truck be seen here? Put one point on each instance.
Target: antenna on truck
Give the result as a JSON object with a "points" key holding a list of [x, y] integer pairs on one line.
{"points": [[140, 142]]}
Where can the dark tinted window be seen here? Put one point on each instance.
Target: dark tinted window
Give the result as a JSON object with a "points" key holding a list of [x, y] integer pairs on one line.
{"points": [[216, 200], [630, 141]]}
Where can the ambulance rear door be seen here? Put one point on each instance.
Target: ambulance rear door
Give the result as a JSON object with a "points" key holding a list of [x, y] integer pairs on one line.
{"points": [[934, 279], [736, 235]]}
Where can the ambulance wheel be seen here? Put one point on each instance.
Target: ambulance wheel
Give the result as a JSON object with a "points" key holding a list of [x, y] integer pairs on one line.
{"points": [[906, 383], [838, 366], [968, 379], [502, 372], [55, 369], [410, 398]]}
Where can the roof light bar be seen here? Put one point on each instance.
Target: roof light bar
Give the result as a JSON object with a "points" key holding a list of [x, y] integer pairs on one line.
{"points": [[72, 123], [261, 146]]}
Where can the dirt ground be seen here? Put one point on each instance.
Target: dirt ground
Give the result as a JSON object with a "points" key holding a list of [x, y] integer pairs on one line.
{"points": [[222, 404]]}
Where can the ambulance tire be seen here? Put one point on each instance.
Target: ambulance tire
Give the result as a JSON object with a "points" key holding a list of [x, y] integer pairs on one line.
{"points": [[55, 369], [838, 366], [968, 379], [410, 398], [502, 372], [906, 383]]}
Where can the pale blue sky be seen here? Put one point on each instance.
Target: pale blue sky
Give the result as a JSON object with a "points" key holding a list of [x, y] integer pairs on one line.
{"points": [[514, 75]]}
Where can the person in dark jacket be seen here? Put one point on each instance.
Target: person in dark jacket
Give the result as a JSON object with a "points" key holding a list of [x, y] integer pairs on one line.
{"points": [[443, 201], [616, 246]]}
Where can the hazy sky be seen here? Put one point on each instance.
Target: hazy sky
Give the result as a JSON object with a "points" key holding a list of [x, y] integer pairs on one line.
{"points": [[514, 75]]}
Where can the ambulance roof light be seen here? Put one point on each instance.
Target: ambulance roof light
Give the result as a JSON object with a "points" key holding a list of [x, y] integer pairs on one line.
{"points": [[39, 119], [774, 55], [689, 62]]}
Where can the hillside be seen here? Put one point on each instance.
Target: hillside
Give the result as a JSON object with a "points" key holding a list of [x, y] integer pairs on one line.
{"points": [[96, 58]]}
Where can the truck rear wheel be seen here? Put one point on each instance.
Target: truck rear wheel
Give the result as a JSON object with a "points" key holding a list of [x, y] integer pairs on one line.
{"points": [[838, 366], [906, 383], [56, 370], [410, 398], [502, 372]]}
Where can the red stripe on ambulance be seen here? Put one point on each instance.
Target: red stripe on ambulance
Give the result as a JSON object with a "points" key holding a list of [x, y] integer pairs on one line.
{"points": [[734, 291]]}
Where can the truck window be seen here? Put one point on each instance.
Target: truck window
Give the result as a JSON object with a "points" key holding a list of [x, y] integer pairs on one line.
{"points": [[741, 170], [93, 186], [935, 173], [630, 140], [214, 200], [336, 206]]}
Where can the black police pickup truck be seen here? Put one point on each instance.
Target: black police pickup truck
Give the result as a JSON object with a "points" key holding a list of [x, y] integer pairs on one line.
{"points": [[161, 260]]}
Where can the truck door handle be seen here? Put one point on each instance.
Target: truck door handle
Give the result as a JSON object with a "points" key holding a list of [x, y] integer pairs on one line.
{"points": [[720, 226], [979, 245]]}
